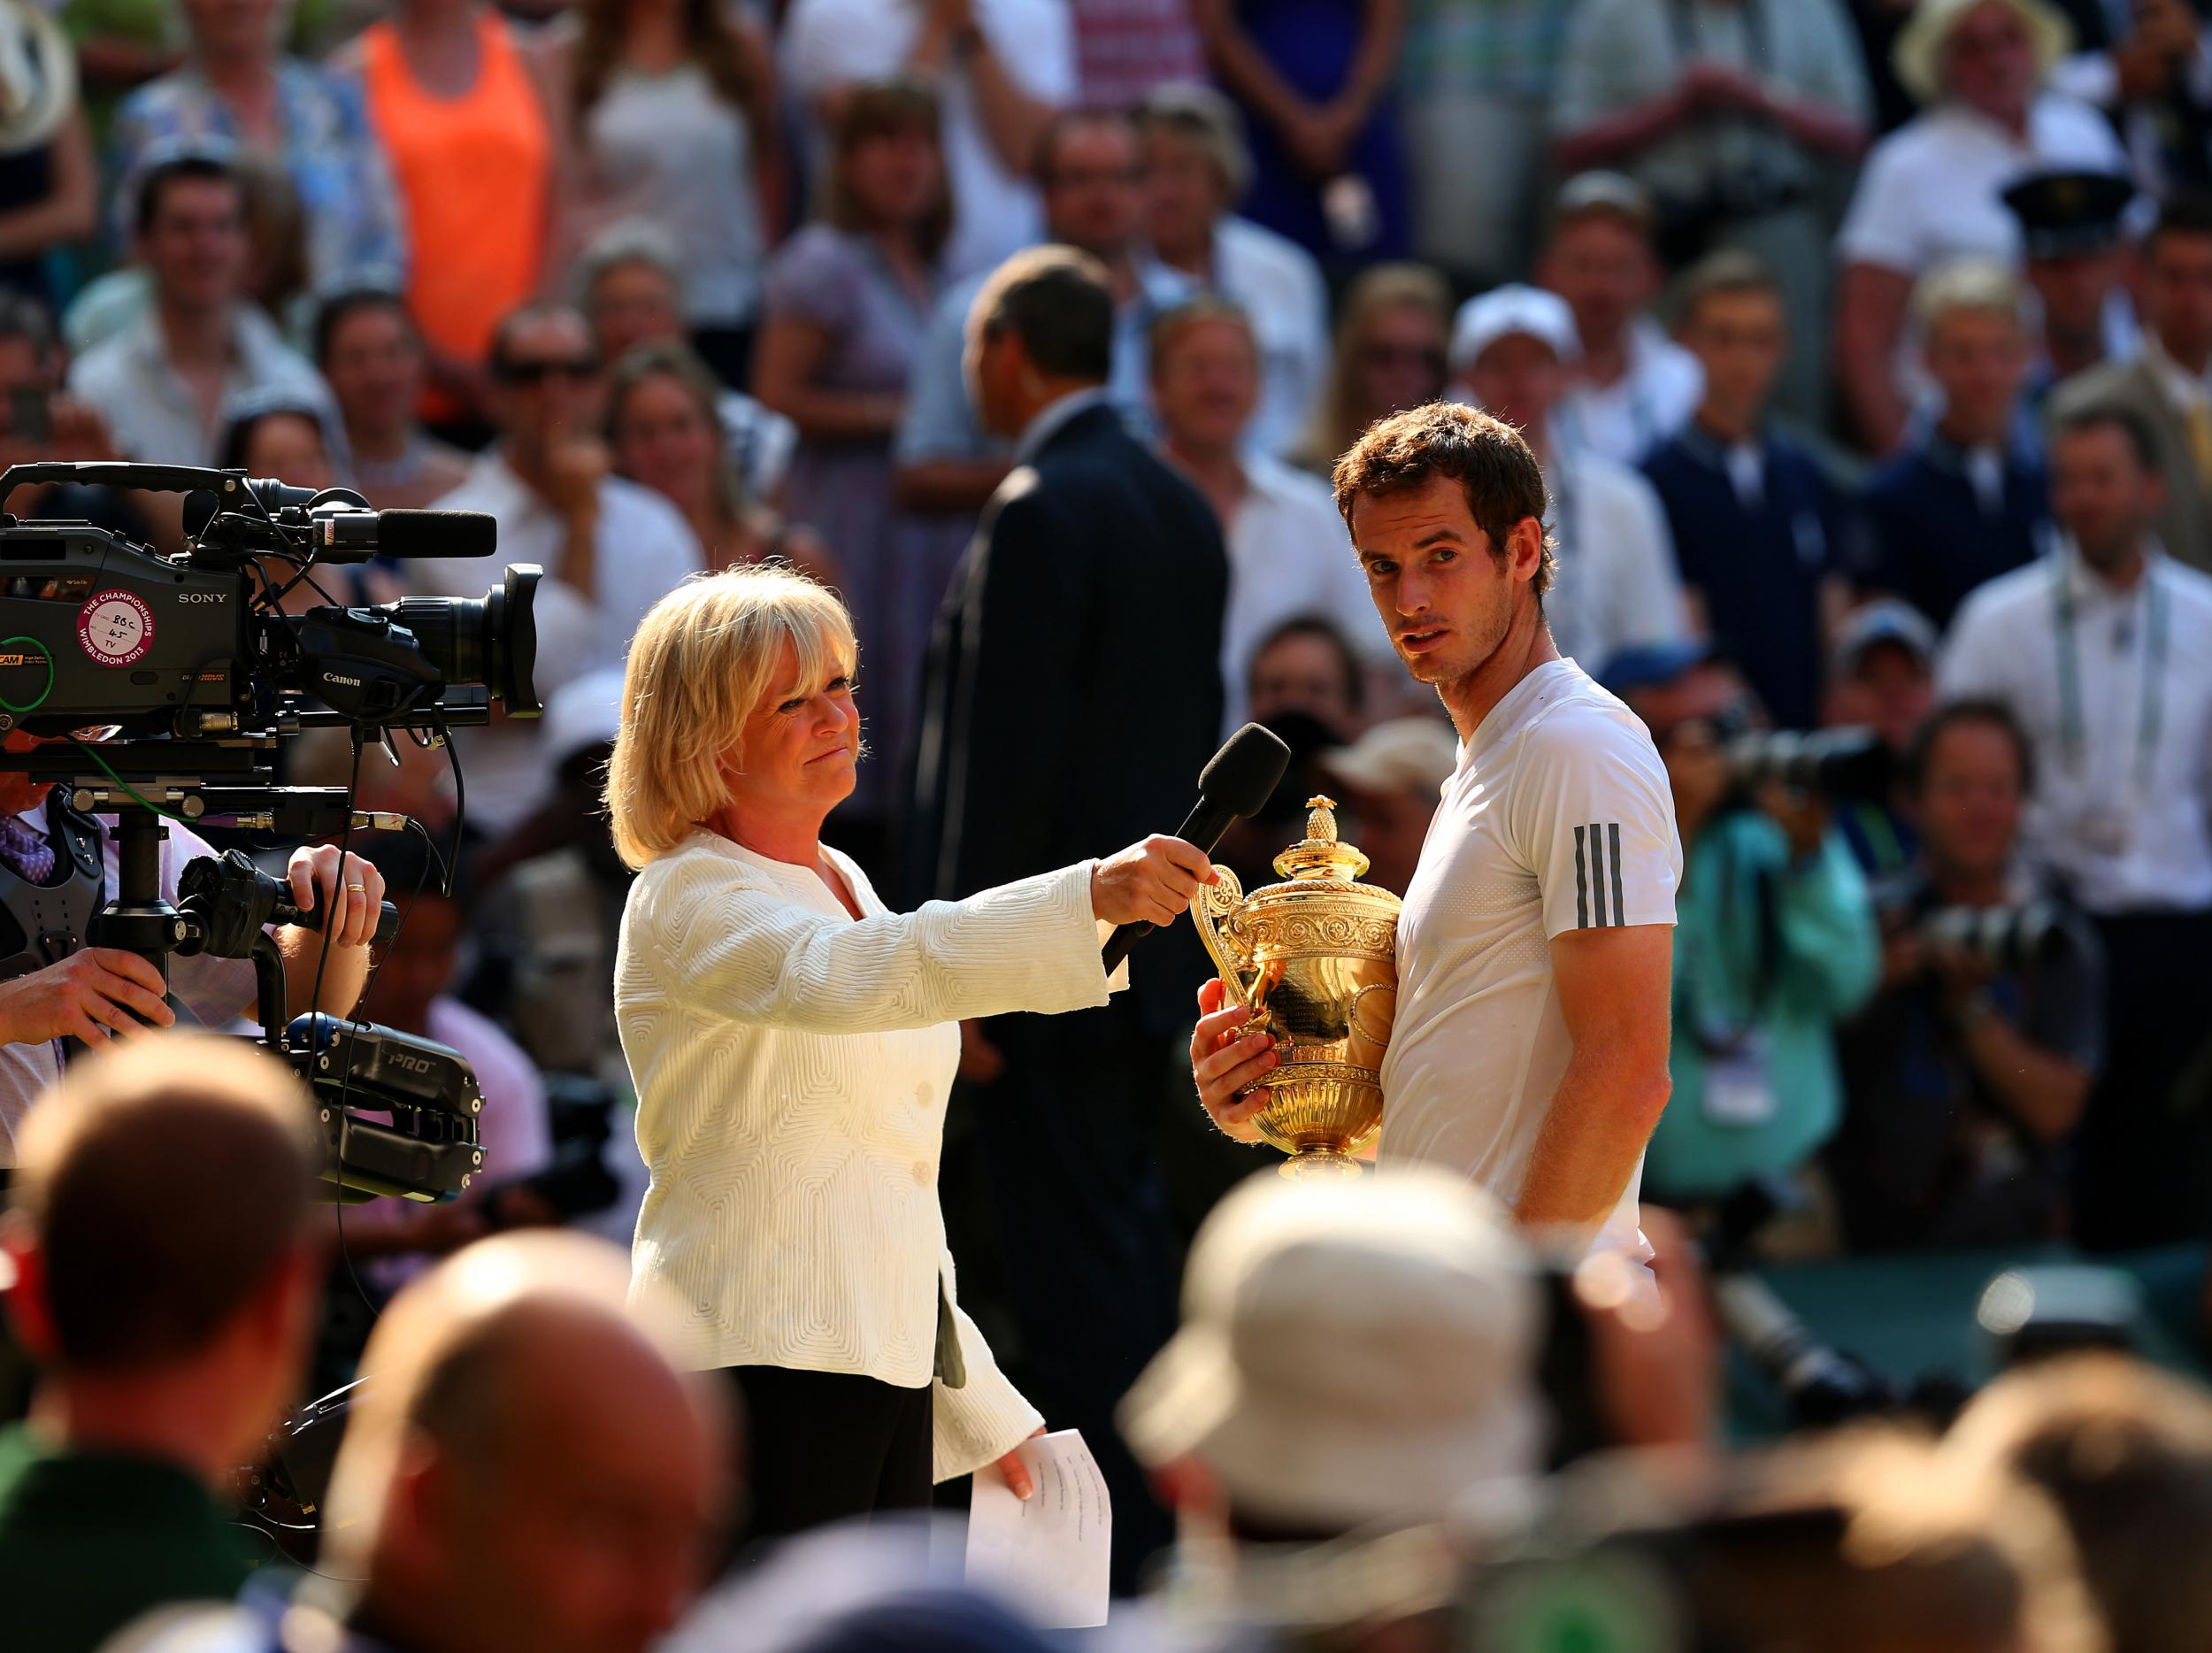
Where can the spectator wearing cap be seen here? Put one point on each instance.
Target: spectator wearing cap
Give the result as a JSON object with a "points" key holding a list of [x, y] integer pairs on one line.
{"points": [[1933, 189], [610, 548], [1966, 1075], [1774, 943], [1353, 1357], [2069, 231], [1197, 168], [370, 353], [166, 1273], [630, 286], [1004, 69], [237, 88], [1757, 527], [1734, 114], [1288, 550], [1966, 499], [2166, 387], [1391, 778], [1881, 676], [1512, 349], [1633, 387], [2103, 653], [162, 383]]}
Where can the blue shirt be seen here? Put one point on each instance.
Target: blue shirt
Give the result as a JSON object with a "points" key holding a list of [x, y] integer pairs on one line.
{"points": [[1757, 558], [1931, 532]]}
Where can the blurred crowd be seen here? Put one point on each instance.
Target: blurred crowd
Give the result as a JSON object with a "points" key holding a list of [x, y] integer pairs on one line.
{"points": [[1867, 349]]}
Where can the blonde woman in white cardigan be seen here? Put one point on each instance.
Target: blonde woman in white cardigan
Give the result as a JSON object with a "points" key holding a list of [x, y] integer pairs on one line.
{"points": [[794, 1042]]}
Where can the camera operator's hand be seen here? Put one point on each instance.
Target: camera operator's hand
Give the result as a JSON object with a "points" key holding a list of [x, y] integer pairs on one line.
{"points": [[82, 997], [354, 908], [1803, 817]]}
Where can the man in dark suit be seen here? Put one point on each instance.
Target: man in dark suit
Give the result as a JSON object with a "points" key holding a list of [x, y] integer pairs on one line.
{"points": [[1074, 693]]}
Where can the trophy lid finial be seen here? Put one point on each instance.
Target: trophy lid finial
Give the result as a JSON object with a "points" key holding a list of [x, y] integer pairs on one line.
{"points": [[1322, 854]]}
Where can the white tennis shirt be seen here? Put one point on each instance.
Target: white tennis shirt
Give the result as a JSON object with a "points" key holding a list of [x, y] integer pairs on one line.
{"points": [[1558, 817]]}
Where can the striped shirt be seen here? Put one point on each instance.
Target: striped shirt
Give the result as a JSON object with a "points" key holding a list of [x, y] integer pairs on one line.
{"points": [[1558, 817]]}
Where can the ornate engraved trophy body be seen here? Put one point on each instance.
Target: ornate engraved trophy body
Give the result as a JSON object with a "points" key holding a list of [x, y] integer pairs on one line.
{"points": [[1315, 960]]}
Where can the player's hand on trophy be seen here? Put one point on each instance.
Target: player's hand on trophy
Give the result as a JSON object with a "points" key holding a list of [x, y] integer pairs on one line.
{"points": [[1149, 882], [1223, 1060], [83, 997]]}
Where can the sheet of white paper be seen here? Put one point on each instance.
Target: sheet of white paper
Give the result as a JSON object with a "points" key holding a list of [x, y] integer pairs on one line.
{"points": [[1048, 1554]]}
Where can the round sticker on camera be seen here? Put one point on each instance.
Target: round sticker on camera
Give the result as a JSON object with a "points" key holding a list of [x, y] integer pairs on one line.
{"points": [[115, 628]]}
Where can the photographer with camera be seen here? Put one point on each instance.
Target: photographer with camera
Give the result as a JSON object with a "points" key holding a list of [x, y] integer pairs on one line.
{"points": [[2103, 652], [1774, 943], [1969, 1070], [54, 860]]}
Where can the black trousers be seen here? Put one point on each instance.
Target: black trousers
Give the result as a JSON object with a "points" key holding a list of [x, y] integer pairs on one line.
{"points": [[820, 1447], [2143, 1159], [1068, 1133]]}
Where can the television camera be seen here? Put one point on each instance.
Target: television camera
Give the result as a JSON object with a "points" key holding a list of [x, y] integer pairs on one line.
{"points": [[157, 686]]}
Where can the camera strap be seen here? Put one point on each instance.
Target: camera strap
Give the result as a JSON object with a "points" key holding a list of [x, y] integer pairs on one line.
{"points": [[2150, 719], [51, 920]]}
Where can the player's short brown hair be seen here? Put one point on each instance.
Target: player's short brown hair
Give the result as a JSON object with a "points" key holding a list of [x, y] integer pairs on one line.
{"points": [[162, 1182], [1486, 456]]}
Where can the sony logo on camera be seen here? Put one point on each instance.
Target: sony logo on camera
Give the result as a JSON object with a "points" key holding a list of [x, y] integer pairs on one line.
{"points": [[203, 596]]}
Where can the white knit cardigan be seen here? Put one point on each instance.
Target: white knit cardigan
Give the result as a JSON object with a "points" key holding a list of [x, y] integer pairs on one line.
{"points": [[792, 1067]]}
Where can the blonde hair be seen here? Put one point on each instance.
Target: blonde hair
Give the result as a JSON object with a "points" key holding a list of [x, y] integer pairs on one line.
{"points": [[1981, 286], [702, 659], [1340, 416]]}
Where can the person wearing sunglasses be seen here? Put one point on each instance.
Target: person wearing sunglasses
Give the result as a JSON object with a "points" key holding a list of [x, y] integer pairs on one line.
{"points": [[1774, 942], [610, 548]]}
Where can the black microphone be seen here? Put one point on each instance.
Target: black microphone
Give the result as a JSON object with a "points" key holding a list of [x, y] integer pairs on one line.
{"points": [[412, 534], [1238, 781]]}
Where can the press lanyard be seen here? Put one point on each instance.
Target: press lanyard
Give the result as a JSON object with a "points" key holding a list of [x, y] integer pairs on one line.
{"points": [[2072, 733]]}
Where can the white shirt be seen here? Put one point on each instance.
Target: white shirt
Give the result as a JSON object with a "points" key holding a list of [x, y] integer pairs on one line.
{"points": [[1558, 817], [830, 43], [1278, 285], [1932, 190], [1289, 554], [214, 991], [645, 548], [2126, 823], [1617, 585], [792, 1067], [1624, 420], [155, 416]]}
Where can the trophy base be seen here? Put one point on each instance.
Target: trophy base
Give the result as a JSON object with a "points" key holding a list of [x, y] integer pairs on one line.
{"points": [[1320, 1164]]}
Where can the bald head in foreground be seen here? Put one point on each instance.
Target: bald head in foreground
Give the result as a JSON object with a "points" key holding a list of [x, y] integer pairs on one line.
{"points": [[527, 1468]]}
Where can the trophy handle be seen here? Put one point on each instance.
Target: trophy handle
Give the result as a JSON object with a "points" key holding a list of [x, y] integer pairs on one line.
{"points": [[1217, 909]]}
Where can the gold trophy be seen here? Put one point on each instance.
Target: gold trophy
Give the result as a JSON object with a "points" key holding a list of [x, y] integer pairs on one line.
{"points": [[1315, 960]]}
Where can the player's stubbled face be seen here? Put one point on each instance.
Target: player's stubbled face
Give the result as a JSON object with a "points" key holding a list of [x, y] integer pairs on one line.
{"points": [[1443, 592]]}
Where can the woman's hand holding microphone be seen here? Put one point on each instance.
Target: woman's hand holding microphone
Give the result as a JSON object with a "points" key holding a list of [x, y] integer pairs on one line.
{"points": [[1149, 882]]}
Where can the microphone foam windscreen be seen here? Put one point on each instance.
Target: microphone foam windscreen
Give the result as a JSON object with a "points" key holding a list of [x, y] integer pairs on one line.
{"points": [[437, 533], [1244, 772]]}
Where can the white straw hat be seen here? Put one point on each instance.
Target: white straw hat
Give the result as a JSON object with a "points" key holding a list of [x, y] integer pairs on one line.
{"points": [[1352, 1353], [1917, 57]]}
